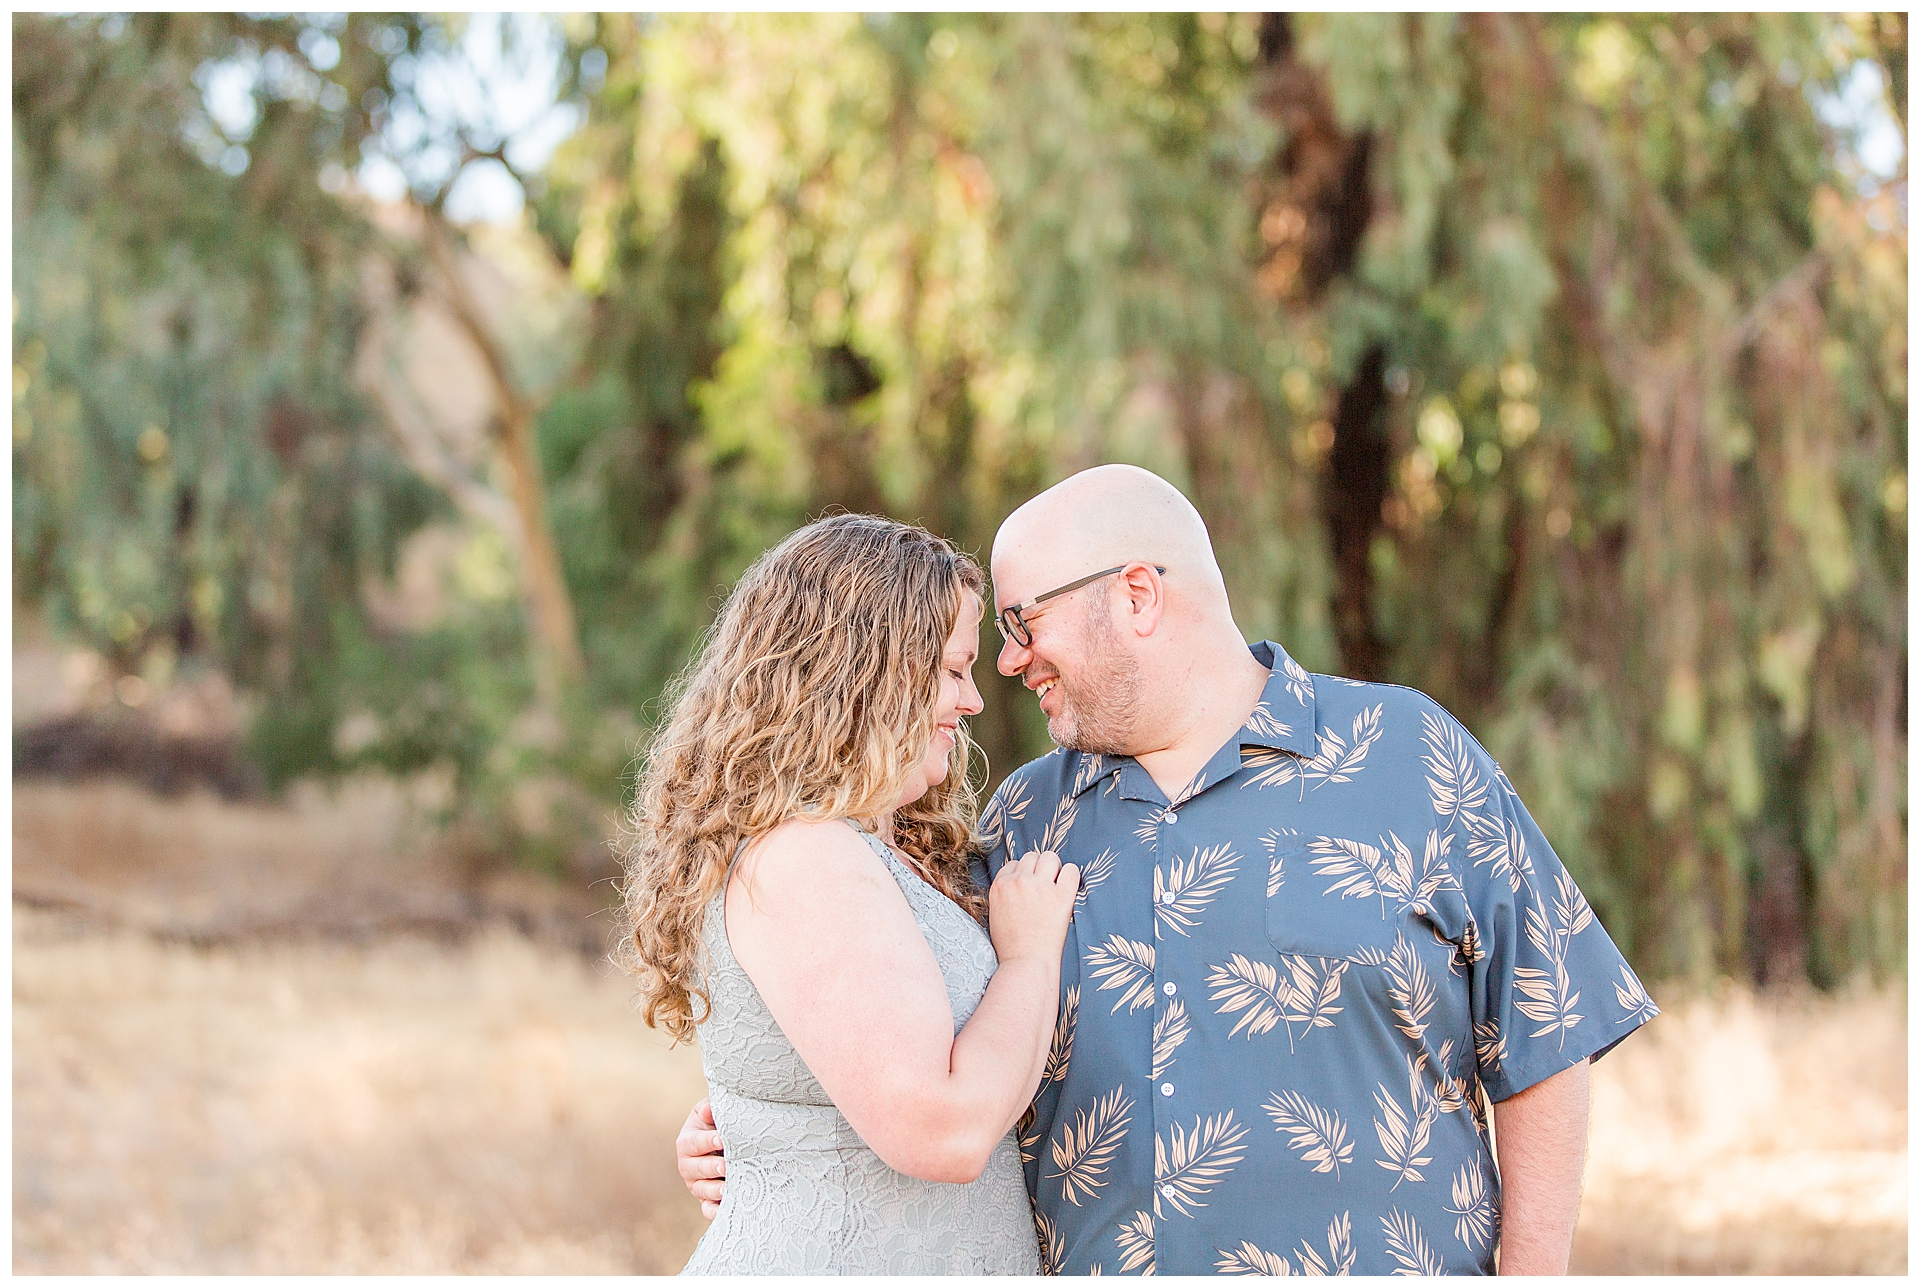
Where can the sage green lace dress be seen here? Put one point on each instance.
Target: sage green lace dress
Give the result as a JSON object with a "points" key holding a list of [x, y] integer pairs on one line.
{"points": [[804, 1194]]}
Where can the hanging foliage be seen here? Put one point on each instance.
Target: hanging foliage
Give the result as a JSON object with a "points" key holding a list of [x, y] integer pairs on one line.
{"points": [[1554, 365]]}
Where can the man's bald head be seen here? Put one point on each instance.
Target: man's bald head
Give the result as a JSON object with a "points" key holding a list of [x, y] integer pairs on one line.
{"points": [[1137, 664], [1111, 514]]}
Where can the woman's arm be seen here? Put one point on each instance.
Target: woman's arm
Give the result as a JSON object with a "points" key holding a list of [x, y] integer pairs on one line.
{"points": [[825, 934]]}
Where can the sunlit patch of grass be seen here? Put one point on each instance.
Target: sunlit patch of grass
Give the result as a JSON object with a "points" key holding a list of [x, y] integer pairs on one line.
{"points": [[490, 1107], [1752, 1133], [490, 1104]]}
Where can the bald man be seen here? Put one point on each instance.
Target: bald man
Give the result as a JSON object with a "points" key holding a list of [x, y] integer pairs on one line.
{"points": [[1318, 933]]}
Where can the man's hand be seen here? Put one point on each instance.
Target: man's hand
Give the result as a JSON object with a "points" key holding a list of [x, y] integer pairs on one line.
{"points": [[702, 1158], [1541, 1138]]}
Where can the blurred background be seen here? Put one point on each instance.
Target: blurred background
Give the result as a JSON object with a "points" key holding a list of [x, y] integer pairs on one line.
{"points": [[395, 397]]}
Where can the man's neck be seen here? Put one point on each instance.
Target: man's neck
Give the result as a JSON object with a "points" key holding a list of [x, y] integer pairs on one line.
{"points": [[1212, 698]]}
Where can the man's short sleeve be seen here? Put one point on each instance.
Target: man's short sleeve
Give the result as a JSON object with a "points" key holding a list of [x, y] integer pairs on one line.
{"points": [[1549, 988]]}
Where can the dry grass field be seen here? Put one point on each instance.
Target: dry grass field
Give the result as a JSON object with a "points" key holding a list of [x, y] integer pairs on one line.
{"points": [[200, 1086]]}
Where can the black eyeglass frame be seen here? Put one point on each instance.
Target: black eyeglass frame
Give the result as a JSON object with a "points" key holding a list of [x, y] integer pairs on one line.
{"points": [[1012, 619]]}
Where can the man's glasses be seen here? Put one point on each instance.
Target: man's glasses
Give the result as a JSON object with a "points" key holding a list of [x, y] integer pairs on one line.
{"points": [[1012, 620]]}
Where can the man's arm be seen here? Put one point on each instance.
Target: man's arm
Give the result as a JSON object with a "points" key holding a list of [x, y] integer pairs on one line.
{"points": [[1540, 1135], [702, 1159]]}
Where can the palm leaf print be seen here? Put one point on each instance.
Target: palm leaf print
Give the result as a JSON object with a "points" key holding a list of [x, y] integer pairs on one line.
{"points": [[1088, 769], [1396, 876], [1453, 781], [1436, 873], [1271, 841], [1408, 988], [1096, 872], [1264, 723], [1355, 863], [1317, 1133], [1570, 906], [1062, 1050], [1187, 1165], [1540, 934], [1135, 1240], [1471, 950], [1633, 999], [1028, 1136], [1452, 1091], [1095, 1269], [1147, 830], [1489, 1044], [1085, 1149], [1297, 682], [1128, 966], [1339, 1259], [1170, 1029], [1053, 1249], [1009, 805], [1250, 986], [1403, 1134], [1472, 1206], [1316, 987], [1336, 760], [1547, 998], [1055, 837], [1503, 847], [1193, 883], [1272, 766], [1406, 1245], [1250, 1260]]}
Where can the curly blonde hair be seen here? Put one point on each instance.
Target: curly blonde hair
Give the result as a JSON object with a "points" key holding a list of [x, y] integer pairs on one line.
{"points": [[813, 696]]}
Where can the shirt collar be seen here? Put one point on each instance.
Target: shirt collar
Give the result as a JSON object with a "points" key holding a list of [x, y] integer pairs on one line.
{"points": [[1283, 718]]}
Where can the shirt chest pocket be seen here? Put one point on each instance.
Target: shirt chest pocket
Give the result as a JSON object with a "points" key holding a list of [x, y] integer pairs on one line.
{"points": [[1309, 916]]}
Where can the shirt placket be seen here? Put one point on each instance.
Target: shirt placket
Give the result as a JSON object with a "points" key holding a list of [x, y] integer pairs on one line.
{"points": [[1172, 981]]}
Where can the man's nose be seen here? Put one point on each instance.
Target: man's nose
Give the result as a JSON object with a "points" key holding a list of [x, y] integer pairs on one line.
{"points": [[1013, 658]]}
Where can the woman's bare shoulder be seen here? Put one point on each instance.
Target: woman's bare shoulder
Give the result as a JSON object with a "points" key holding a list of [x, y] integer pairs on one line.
{"points": [[808, 851]]}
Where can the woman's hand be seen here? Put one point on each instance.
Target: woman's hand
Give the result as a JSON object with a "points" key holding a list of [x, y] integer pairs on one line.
{"points": [[702, 1158], [1029, 906]]}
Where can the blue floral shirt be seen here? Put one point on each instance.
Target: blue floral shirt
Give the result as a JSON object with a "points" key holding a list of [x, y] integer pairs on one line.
{"points": [[1287, 994]]}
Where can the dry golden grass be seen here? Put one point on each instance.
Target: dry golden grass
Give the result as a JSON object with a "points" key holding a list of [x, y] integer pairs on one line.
{"points": [[404, 1107], [1745, 1133], [401, 1104]]}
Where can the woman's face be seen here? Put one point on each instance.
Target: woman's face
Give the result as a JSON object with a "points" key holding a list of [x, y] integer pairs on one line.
{"points": [[958, 697]]}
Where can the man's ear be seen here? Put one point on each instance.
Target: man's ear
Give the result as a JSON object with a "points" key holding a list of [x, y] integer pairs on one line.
{"points": [[1146, 597]]}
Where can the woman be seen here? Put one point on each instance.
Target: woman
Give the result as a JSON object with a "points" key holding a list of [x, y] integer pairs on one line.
{"points": [[797, 890]]}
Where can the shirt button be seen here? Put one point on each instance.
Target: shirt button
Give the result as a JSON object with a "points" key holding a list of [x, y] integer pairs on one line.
{"points": [[1171, 818], [1166, 1191], [1167, 988], [1169, 896], [1166, 1088]]}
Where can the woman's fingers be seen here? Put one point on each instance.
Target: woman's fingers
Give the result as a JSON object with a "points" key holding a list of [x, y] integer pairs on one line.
{"points": [[1044, 864], [705, 1166], [698, 1149]]}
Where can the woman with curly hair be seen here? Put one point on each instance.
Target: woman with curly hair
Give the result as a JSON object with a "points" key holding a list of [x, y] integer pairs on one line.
{"points": [[798, 893]]}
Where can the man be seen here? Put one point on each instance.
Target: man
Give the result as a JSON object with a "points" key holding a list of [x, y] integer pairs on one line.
{"points": [[1317, 924]]}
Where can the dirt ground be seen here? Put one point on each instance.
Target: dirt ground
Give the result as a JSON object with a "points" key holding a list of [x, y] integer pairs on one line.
{"points": [[433, 1077]]}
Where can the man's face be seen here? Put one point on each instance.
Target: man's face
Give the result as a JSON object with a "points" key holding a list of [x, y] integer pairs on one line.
{"points": [[1088, 684]]}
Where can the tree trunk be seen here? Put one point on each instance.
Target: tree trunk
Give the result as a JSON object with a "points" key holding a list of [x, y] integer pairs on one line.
{"points": [[548, 603]]}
